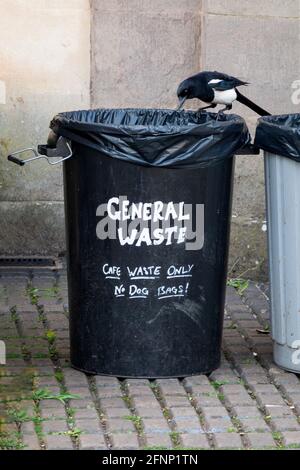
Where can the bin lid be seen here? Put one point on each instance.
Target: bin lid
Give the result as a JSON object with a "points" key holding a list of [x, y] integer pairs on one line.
{"points": [[280, 135], [156, 137]]}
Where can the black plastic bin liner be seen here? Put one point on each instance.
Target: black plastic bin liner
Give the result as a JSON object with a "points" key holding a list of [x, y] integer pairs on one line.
{"points": [[155, 137], [279, 135]]}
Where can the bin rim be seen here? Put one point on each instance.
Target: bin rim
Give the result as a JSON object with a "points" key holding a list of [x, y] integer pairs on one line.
{"points": [[155, 137], [268, 120], [187, 120], [279, 134]]}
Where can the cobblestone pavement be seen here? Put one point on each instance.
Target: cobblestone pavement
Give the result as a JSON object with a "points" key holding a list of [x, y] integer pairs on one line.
{"points": [[247, 403]]}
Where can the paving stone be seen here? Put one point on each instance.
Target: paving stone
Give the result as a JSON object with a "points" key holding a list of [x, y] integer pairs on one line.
{"points": [[58, 442], [254, 425], [147, 411], [85, 413], [155, 425], [247, 412], [53, 389], [159, 440], [215, 412], [195, 380], [265, 400], [85, 403], [286, 424], [54, 426], [219, 425], [125, 441], [146, 402], [265, 389], [51, 404], [120, 425], [53, 413], [179, 413], [75, 378], [261, 440], [31, 442], [102, 381], [295, 398], [286, 378], [171, 387], [198, 441], [188, 425], [206, 389], [8, 427], [232, 389], [242, 399], [253, 368], [140, 390], [92, 442], [26, 406], [38, 361], [290, 389], [139, 382], [228, 440], [280, 411], [177, 401], [206, 400], [109, 392], [112, 403], [27, 428], [253, 379], [226, 377], [81, 392], [291, 438], [117, 412]]}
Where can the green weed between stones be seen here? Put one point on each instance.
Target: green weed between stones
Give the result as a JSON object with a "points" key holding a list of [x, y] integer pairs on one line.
{"points": [[70, 416], [59, 376], [50, 336], [14, 314], [137, 420], [44, 394], [218, 383], [230, 430], [277, 438], [18, 416], [33, 294], [175, 438], [292, 446], [75, 433], [11, 441], [167, 414], [50, 292], [239, 284]]}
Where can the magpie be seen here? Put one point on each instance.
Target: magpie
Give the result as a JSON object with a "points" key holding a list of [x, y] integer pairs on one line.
{"points": [[215, 88]]}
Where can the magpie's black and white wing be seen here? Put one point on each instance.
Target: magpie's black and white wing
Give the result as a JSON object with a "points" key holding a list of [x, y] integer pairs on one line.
{"points": [[222, 82]]}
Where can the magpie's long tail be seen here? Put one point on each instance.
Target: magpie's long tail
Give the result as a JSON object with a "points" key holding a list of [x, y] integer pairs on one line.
{"points": [[257, 109]]}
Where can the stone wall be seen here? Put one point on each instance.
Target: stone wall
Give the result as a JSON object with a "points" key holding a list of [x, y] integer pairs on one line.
{"points": [[45, 69]]}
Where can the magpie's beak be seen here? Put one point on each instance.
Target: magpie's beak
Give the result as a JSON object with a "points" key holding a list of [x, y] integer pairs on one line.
{"points": [[181, 103]]}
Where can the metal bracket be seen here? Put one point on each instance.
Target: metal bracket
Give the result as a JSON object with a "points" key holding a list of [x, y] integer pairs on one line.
{"points": [[62, 151]]}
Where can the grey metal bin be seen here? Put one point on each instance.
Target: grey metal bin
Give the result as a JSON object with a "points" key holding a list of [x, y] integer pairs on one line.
{"points": [[279, 137]]}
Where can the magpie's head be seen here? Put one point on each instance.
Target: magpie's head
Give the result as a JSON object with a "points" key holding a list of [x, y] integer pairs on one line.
{"points": [[185, 91]]}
